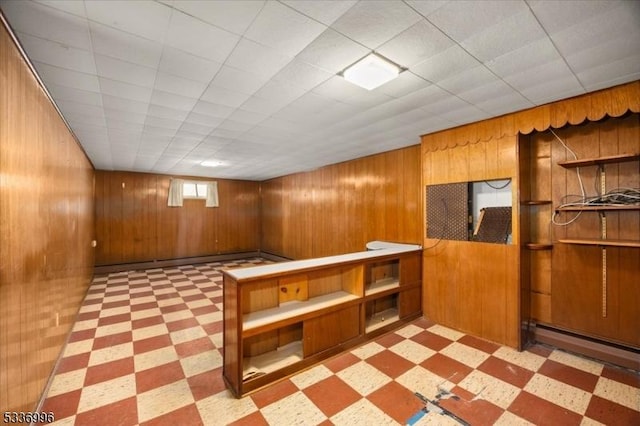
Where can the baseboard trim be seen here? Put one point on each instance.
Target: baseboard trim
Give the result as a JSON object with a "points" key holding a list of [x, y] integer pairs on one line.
{"points": [[614, 354], [108, 269]]}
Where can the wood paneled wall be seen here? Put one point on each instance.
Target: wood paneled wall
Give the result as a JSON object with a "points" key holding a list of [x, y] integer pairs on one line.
{"points": [[46, 228], [134, 223], [471, 286], [566, 282], [339, 208]]}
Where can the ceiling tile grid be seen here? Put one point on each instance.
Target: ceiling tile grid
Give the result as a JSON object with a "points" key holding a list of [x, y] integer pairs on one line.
{"points": [[161, 86]]}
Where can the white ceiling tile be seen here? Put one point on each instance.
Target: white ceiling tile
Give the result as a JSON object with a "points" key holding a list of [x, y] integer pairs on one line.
{"points": [[558, 15], [368, 99], [234, 126], [404, 84], [258, 59], [178, 85], [65, 93], [43, 22], [198, 38], [426, 8], [533, 54], [301, 74], [125, 16], [124, 115], [538, 75], [419, 42], [332, 51], [126, 72], [374, 23], [127, 47], [231, 15], [338, 88], [445, 64], [488, 90], [465, 114], [56, 54], [183, 64], [204, 120], [468, 79], [280, 93], [237, 80], [284, 29], [599, 77], [212, 109], [86, 119], [124, 125], [80, 108], [463, 18], [552, 89], [617, 23], [163, 123], [509, 34], [172, 100], [125, 90], [325, 11], [55, 75], [166, 112], [607, 52], [247, 117], [499, 105], [225, 97], [152, 130], [262, 105], [199, 129], [70, 6]]}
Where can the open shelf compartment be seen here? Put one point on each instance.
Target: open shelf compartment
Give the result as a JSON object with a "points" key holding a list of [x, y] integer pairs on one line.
{"points": [[381, 312], [271, 351], [382, 276]]}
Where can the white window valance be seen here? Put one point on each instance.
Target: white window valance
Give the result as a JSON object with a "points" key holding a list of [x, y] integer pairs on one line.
{"points": [[212, 194]]}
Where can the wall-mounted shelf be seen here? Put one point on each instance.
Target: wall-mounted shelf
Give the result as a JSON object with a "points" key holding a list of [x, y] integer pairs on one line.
{"points": [[538, 246], [596, 242], [601, 207], [596, 161], [535, 202]]}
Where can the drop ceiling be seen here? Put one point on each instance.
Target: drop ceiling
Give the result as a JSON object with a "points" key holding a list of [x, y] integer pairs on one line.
{"points": [[161, 86]]}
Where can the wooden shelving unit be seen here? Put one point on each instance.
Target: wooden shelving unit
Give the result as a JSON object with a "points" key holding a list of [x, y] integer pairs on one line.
{"points": [[281, 318], [597, 161]]}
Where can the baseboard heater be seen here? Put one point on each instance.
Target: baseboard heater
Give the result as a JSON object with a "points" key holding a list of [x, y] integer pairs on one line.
{"points": [[623, 356]]}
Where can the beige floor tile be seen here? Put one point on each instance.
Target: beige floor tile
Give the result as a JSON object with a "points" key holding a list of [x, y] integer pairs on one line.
{"points": [[310, 377], [489, 388], [295, 409], [559, 393], [368, 350], [163, 400], [223, 408], [465, 354], [111, 353], [421, 380], [205, 361], [67, 382], [107, 392], [524, 359], [414, 352], [154, 358], [618, 392], [363, 377], [152, 331], [107, 330], [578, 362], [445, 332]]}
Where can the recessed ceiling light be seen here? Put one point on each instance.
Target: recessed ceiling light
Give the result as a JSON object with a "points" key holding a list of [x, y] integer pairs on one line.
{"points": [[212, 163], [371, 71]]}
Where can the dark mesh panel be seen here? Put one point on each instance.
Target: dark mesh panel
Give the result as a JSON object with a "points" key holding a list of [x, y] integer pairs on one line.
{"points": [[448, 211]]}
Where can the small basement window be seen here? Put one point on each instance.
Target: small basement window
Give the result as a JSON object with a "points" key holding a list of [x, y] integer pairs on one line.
{"points": [[194, 190]]}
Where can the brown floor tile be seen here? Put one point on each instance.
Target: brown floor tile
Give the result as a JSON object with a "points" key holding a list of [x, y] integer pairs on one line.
{"points": [[569, 375], [213, 328], [140, 294], [390, 364], [541, 350], [147, 322], [88, 315], [622, 375], [253, 419], [112, 340], [114, 319], [63, 405], [477, 412], [158, 376], [610, 413], [446, 367], [273, 393], [116, 304], [74, 362], [203, 310], [542, 412], [182, 324], [206, 384], [77, 336], [342, 361], [122, 413], [109, 370], [506, 371], [152, 343], [188, 415], [389, 340], [194, 347], [431, 340], [480, 344], [143, 306], [331, 395], [396, 401], [173, 308]]}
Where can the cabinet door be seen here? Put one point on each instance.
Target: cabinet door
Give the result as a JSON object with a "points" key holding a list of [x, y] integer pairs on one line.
{"points": [[410, 302], [331, 329]]}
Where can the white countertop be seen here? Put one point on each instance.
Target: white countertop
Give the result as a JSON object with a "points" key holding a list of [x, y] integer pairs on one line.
{"points": [[376, 249]]}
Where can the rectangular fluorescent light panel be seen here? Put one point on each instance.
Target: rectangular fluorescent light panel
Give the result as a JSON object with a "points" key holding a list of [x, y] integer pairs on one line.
{"points": [[371, 71]]}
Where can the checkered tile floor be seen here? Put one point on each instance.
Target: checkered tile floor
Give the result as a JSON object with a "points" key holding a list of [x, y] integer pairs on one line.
{"points": [[146, 349]]}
